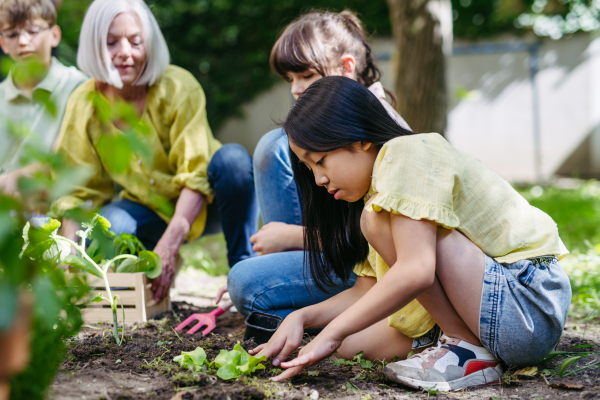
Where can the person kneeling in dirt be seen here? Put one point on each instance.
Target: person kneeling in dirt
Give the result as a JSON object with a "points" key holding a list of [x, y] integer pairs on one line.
{"points": [[122, 49]]}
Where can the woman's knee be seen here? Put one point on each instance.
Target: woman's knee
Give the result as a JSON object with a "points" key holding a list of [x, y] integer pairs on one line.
{"points": [[231, 164], [120, 220]]}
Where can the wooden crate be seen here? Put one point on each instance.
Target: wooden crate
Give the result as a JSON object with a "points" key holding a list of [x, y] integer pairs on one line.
{"points": [[136, 294]]}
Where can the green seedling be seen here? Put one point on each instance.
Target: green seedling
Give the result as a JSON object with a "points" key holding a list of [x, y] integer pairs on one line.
{"points": [[349, 386], [230, 364], [193, 360], [44, 242], [233, 364], [366, 364]]}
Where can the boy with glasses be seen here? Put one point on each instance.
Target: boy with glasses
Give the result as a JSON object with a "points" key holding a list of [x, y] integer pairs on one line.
{"points": [[34, 95]]}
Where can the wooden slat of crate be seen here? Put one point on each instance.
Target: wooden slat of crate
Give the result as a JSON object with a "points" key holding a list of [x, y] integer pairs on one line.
{"points": [[93, 315], [128, 297], [138, 294], [115, 280]]}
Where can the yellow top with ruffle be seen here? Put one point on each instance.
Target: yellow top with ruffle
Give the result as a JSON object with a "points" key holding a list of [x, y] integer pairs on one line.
{"points": [[423, 177]]}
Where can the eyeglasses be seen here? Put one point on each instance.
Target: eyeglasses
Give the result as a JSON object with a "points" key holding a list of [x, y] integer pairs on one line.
{"points": [[13, 36]]}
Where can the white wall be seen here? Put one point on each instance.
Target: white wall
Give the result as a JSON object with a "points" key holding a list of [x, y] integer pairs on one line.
{"points": [[494, 120]]}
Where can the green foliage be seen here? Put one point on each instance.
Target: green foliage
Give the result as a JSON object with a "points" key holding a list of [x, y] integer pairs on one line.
{"points": [[193, 360], [566, 363], [575, 211], [555, 20], [233, 364], [50, 326], [475, 19], [208, 253]]}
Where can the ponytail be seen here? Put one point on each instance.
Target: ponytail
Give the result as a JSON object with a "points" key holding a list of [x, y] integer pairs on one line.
{"points": [[318, 39], [370, 73]]}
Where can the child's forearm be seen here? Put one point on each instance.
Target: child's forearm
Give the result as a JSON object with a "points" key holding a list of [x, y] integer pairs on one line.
{"points": [[321, 314], [398, 287]]}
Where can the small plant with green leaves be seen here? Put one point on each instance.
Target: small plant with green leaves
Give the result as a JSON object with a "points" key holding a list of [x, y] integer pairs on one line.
{"points": [[42, 241], [231, 364], [193, 360]]}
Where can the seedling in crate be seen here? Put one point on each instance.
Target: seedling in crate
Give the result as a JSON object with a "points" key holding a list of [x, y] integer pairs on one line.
{"points": [[43, 241]]}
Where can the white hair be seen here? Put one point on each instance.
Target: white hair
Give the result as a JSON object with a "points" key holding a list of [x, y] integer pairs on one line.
{"points": [[93, 57]]}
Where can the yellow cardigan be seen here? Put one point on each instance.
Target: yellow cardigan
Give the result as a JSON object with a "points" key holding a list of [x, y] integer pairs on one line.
{"points": [[173, 126]]}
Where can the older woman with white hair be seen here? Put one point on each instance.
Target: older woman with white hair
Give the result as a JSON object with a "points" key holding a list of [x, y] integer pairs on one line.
{"points": [[122, 49]]}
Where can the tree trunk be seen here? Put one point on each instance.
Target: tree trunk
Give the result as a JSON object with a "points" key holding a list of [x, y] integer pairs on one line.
{"points": [[423, 33]]}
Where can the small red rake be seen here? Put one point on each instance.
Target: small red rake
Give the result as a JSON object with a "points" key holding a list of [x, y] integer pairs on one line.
{"points": [[204, 319]]}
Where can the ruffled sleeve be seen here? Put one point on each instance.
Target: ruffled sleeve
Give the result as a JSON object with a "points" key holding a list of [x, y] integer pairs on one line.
{"points": [[415, 176], [367, 268]]}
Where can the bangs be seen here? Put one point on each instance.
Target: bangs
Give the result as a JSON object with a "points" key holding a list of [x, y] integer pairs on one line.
{"points": [[15, 13], [294, 52]]}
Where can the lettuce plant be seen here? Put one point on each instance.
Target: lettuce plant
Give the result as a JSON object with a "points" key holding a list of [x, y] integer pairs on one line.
{"points": [[193, 360], [42, 241], [231, 364]]}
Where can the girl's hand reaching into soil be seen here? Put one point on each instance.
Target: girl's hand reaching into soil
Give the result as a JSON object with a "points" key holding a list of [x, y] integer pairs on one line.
{"points": [[286, 339]]}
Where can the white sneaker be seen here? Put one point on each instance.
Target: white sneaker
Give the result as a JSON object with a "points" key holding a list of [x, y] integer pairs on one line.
{"points": [[451, 365]]}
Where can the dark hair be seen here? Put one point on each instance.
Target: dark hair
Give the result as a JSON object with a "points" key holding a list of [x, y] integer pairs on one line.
{"points": [[318, 40], [333, 113], [15, 13]]}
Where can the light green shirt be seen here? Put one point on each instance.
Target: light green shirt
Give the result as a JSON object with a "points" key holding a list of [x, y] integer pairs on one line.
{"points": [[34, 121]]}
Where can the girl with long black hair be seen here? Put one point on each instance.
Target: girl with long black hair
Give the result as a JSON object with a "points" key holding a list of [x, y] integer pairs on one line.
{"points": [[456, 237]]}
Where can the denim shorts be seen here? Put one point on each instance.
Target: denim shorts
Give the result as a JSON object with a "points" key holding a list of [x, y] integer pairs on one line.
{"points": [[524, 307]]}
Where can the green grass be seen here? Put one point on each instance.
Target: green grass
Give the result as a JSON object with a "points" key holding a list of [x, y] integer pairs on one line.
{"points": [[577, 213], [209, 253]]}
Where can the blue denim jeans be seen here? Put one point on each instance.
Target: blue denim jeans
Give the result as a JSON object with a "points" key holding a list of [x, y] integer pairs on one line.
{"points": [[524, 307], [234, 210], [277, 283]]}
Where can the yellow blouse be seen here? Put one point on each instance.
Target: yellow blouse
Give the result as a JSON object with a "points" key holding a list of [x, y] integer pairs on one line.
{"points": [[176, 132], [423, 177]]}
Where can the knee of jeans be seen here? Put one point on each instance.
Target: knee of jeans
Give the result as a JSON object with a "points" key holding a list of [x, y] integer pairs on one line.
{"points": [[120, 220], [269, 149], [240, 284], [232, 161]]}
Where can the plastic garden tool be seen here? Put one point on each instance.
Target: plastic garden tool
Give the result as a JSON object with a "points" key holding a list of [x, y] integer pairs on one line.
{"points": [[204, 319]]}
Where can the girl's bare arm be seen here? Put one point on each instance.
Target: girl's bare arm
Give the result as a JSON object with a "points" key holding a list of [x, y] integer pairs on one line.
{"points": [[289, 335], [411, 274]]}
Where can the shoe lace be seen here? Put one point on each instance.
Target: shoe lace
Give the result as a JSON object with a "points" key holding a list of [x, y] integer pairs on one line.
{"points": [[431, 351]]}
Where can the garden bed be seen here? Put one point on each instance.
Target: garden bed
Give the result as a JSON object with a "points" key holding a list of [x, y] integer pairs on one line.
{"points": [[143, 368]]}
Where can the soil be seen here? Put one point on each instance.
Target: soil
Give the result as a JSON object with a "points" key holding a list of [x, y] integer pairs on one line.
{"points": [[142, 368]]}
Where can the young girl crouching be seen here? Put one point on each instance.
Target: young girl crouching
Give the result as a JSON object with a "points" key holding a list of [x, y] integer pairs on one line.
{"points": [[458, 238]]}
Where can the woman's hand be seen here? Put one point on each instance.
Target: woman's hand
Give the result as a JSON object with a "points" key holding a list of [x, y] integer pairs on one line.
{"points": [[276, 237], [187, 209], [286, 339], [168, 255]]}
